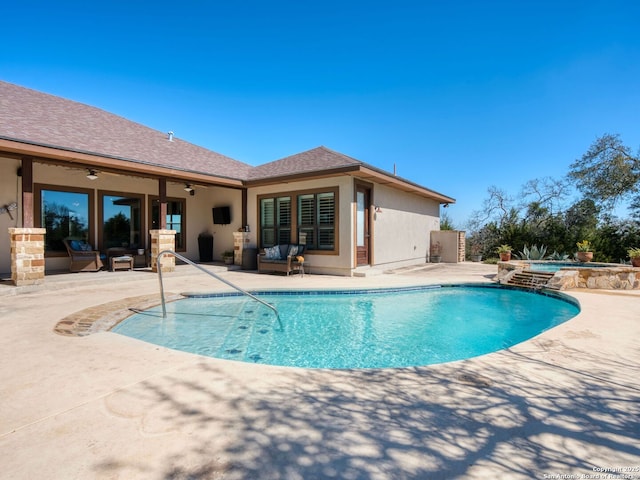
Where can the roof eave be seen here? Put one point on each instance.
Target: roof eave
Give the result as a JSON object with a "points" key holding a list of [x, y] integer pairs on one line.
{"points": [[400, 183], [359, 171], [294, 177], [59, 155]]}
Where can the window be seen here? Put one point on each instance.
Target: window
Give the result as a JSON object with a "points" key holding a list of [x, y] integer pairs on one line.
{"points": [[316, 220], [121, 221], [275, 221], [175, 219], [63, 212], [311, 216]]}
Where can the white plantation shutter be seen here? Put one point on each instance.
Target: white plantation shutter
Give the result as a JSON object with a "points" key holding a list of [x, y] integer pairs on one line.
{"points": [[326, 220], [284, 220], [315, 220], [268, 210], [267, 222], [306, 210], [275, 221], [306, 219]]}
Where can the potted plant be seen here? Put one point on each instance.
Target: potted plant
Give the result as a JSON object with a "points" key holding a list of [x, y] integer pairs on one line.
{"points": [[436, 249], [476, 252], [227, 256], [585, 251], [505, 252], [634, 255]]}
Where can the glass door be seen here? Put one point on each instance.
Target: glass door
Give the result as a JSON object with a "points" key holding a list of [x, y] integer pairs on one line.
{"points": [[363, 195]]}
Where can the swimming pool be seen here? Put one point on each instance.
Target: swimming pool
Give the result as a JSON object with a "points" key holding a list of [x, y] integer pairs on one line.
{"points": [[354, 329]]}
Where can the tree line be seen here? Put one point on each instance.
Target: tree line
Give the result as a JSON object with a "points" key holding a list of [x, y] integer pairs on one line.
{"points": [[547, 212]]}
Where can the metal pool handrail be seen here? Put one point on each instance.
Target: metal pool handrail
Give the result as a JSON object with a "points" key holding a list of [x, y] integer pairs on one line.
{"points": [[211, 274]]}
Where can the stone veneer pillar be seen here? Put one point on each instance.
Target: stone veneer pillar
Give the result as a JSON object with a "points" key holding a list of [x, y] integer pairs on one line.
{"points": [[240, 241], [163, 240], [27, 255]]}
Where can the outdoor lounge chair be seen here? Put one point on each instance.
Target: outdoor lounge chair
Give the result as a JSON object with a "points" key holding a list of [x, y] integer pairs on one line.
{"points": [[83, 258]]}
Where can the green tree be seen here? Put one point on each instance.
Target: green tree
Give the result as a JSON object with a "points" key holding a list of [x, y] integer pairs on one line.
{"points": [[533, 218], [608, 172], [614, 237], [445, 222]]}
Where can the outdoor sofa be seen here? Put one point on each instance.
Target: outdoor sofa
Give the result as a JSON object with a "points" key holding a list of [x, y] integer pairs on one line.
{"points": [[281, 258]]}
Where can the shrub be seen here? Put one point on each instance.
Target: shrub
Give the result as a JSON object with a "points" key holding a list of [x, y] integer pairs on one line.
{"points": [[534, 253], [558, 256]]}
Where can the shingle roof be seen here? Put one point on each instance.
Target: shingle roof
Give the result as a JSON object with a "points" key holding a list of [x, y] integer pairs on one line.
{"points": [[324, 161], [38, 118], [315, 160], [35, 118]]}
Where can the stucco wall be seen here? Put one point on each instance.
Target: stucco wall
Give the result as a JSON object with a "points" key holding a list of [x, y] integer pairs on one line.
{"points": [[10, 191], [400, 232], [402, 227], [452, 245], [199, 216], [200, 219], [326, 263]]}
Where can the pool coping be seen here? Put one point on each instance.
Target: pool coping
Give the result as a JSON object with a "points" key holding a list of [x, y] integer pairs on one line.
{"points": [[106, 316], [316, 294]]}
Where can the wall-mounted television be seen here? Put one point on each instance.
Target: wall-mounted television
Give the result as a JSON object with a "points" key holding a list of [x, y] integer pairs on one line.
{"points": [[221, 215]]}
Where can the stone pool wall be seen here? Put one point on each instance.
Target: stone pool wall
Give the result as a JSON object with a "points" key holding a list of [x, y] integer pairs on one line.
{"points": [[610, 277]]}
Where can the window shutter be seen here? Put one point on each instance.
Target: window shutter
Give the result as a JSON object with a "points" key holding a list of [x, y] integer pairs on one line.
{"points": [[268, 213], [326, 209], [284, 220], [267, 222], [306, 210]]}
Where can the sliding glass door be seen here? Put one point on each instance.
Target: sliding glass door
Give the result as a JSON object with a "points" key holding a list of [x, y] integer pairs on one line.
{"points": [[121, 221]]}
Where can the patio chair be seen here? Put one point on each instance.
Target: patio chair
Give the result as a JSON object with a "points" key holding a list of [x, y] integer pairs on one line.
{"points": [[83, 258]]}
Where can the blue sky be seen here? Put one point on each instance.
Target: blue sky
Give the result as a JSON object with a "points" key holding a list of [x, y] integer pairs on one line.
{"points": [[458, 96]]}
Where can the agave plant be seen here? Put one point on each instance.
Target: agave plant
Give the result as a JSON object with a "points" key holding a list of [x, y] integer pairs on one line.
{"points": [[534, 253], [558, 257]]}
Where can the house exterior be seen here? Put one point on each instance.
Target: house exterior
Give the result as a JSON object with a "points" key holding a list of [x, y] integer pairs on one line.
{"points": [[72, 170]]}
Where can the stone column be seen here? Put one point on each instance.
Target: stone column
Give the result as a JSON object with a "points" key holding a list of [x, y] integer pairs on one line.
{"points": [[240, 241], [27, 255], [163, 240]]}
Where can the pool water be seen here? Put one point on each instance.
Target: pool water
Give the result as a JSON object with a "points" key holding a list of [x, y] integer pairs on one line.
{"points": [[555, 266], [358, 329]]}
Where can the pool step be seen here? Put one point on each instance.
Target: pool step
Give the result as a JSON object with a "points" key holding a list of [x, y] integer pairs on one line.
{"points": [[253, 322], [530, 279]]}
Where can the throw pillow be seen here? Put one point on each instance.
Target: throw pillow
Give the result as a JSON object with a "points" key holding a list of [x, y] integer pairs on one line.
{"points": [[272, 253], [293, 251]]}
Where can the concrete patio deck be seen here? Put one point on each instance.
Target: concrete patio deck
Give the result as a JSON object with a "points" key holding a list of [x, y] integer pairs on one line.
{"points": [[105, 406]]}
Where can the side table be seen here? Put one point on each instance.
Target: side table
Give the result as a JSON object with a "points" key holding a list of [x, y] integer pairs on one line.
{"points": [[124, 262]]}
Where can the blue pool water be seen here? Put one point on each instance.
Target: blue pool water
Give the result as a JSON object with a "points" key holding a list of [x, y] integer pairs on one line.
{"points": [[555, 266], [370, 329]]}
